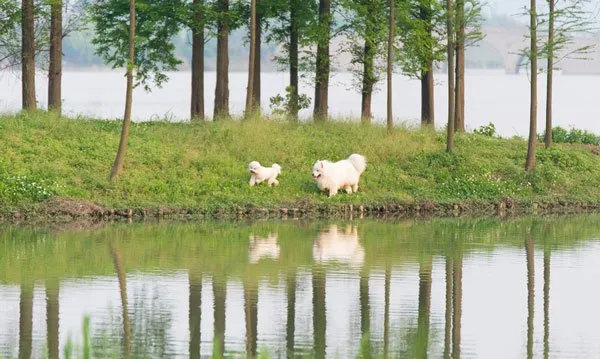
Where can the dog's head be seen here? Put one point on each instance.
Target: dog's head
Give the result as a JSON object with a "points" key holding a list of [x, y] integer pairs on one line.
{"points": [[253, 166], [318, 170]]}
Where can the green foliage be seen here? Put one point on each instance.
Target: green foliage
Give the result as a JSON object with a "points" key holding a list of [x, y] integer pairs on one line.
{"points": [[488, 130], [422, 24], [574, 135], [366, 25], [156, 24], [282, 106], [16, 189]]}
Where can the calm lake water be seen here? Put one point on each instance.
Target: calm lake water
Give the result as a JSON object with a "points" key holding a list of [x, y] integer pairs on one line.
{"points": [[486, 288], [492, 96]]}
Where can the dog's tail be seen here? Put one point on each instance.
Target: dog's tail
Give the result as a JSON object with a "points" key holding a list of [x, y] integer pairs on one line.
{"points": [[277, 167], [358, 161]]}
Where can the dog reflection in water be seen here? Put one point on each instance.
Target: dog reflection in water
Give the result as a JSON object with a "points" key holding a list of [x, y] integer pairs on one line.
{"points": [[263, 248], [336, 246]]}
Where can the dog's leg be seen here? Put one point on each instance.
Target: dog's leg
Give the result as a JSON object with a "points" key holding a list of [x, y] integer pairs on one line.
{"points": [[355, 188], [273, 181], [252, 180], [333, 191], [348, 189]]}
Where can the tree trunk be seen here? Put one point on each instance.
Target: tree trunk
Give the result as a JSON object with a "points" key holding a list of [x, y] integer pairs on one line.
{"points": [[449, 309], [456, 305], [221, 108], [530, 162], [459, 115], [390, 66], [52, 317], [55, 66], [120, 159], [28, 55], [249, 112], [427, 103], [368, 69], [365, 314], [450, 30], [121, 275], [529, 249], [550, 68], [322, 71], [424, 309], [251, 315], [293, 57], [546, 302], [427, 110], [25, 320], [197, 101], [195, 313], [319, 312], [291, 314], [219, 295], [257, 67]]}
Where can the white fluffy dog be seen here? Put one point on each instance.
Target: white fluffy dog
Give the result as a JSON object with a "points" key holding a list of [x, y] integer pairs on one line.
{"points": [[332, 176], [260, 173]]}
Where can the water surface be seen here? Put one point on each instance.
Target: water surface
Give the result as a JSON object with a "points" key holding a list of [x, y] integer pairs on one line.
{"points": [[484, 288]]}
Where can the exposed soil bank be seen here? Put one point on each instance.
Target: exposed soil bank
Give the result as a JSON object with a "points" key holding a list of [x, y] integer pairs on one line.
{"points": [[59, 209]]}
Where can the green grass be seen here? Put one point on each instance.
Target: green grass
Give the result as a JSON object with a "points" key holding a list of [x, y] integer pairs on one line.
{"points": [[202, 166]]}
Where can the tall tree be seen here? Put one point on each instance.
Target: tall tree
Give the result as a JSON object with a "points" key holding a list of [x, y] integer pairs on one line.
{"points": [[257, 57], [390, 66], [197, 26], [55, 66], [28, 55], [293, 26], [195, 313], [564, 22], [146, 48], [459, 107], [421, 22], [221, 108], [323, 62], [450, 50], [366, 41], [427, 94], [533, 59], [250, 100], [120, 159], [467, 31], [52, 317]]}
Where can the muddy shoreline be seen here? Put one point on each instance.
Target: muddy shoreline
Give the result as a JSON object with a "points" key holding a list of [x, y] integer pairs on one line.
{"points": [[63, 210]]}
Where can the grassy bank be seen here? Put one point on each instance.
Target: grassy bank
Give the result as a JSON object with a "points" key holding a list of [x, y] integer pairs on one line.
{"points": [[201, 167]]}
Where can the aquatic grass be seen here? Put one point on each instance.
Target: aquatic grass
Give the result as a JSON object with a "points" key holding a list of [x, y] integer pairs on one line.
{"points": [[202, 166]]}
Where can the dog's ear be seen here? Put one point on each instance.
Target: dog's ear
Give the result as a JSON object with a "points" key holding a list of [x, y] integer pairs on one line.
{"points": [[321, 164]]}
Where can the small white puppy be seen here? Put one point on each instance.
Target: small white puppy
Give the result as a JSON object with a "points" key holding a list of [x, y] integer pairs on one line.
{"points": [[260, 173], [332, 176]]}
